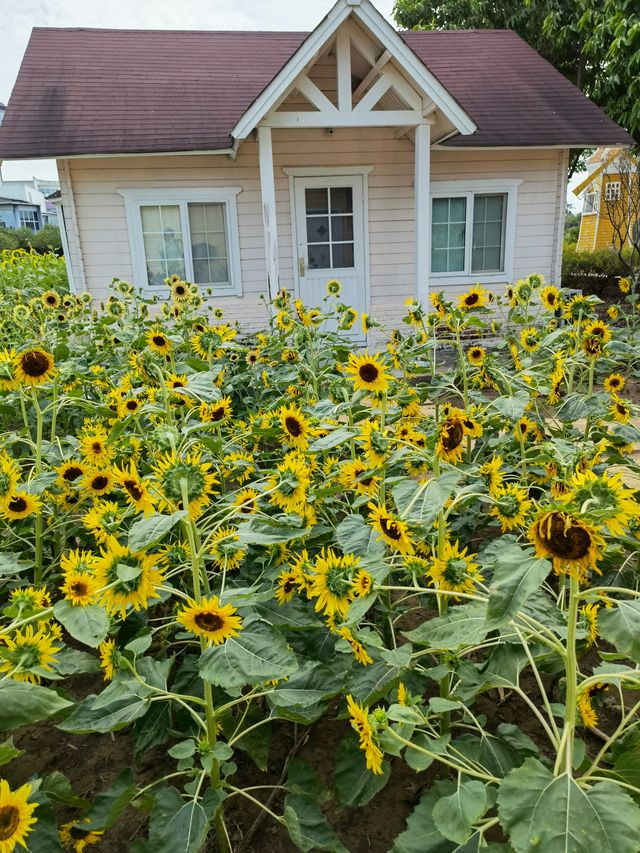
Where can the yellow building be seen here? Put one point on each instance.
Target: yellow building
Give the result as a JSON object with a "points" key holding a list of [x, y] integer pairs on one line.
{"points": [[602, 184]]}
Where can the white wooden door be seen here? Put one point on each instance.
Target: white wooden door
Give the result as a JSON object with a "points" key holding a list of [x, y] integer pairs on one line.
{"points": [[329, 216]]}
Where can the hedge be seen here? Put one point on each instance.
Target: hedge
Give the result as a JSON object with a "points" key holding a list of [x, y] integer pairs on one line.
{"points": [[592, 272]]}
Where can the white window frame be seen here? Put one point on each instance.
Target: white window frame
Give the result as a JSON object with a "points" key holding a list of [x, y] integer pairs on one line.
{"points": [[591, 200], [612, 191], [34, 219], [134, 199], [467, 190]]}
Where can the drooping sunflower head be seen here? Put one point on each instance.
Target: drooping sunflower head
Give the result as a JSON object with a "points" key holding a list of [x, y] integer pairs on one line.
{"points": [[9, 475], [392, 529], [572, 543], [8, 381], [454, 570], [451, 435], [291, 483], [375, 442], [578, 308], [108, 658], [620, 410], [491, 472], [624, 285], [34, 367], [210, 619], [348, 318], [362, 583], [368, 373], [180, 476], [103, 520], [609, 501], [27, 601], [75, 837]]}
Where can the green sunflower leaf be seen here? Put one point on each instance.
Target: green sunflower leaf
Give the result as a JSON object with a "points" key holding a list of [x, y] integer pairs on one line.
{"points": [[355, 785], [22, 703], [464, 625], [259, 653], [516, 575], [308, 827], [620, 626], [150, 530], [421, 502], [455, 815], [88, 625], [554, 814], [8, 752]]}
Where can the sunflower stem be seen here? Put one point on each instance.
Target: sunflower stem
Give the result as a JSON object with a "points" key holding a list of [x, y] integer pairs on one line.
{"points": [[565, 756], [592, 365], [37, 466]]}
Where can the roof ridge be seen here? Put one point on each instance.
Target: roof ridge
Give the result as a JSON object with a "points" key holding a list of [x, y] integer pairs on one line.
{"points": [[172, 32]]}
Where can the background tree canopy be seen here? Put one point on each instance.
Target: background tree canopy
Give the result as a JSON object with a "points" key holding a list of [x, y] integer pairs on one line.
{"points": [[594, 43]]}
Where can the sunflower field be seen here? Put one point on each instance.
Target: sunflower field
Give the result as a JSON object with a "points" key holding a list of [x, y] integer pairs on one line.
{"points": [[302, 595]]}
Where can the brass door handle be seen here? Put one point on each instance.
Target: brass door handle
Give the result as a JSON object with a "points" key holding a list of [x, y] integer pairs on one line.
{"points": [[301, 266]]}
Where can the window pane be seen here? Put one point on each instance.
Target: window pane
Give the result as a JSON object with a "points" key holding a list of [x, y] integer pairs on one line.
{"points": [[208, 243], [319, 256], [488, 232], [317, 229], [448, 234], [343, 255], [341, 200], [342, 227], [162, 237], [317, 200]]}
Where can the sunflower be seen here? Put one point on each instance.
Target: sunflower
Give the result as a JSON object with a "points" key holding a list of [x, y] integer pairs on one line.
{"points": [[218, 412], [135, 489], [357, 477], [98, 483], [360, 723], [180, 290], [286, 585], [16, 816], [129, 406], [172, 471], [108, 658], [451, 434], [158, 341], [8, 370], [333, 287], [238, 466], [614, 383], [51, 299], [368, 373], [103, 520], [292, 483], [70, 472], [331, 582], [132, 578], [9, 475], [226, 550], [511, 506], [359, 651], [476, 355], [610, 501], [624, 285], [362, 583], [74, 837], [455, 569], [94, 447], [525, 428], [620, 410], [374, 442], [347, 319], [284, 321], [366, 323], [530, 339], [393, 530], [33, 367], [437, 301], [550, 297], [28, 652], [573, 544], [613, 312], [210, 620], [475, 297], [19, 504], [471, 426], [491, 472], [577, 308], [590, 615], [598, 329], [585, 703], [27, 601], [79, 588], [295, 426]]}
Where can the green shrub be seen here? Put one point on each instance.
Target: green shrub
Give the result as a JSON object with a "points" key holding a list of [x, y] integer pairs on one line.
{"points": [[8, 239], [42, 241], [592, 272]]}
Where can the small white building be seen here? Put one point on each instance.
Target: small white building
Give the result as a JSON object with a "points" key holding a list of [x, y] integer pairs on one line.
{"points": [[252, 161]]}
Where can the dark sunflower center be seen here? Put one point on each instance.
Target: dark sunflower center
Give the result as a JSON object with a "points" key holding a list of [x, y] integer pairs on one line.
{"points": [[72, 473], [78, 832], [471, 299], [35, 363], [452, 435], [366, 481], [621, 408], [368, 372], [293, 425], [390, 528], [133, 488], [131, 405], [592, 346], [100, 482], [288, 586], [568, 542], [551, 298], [96, 447], [79, 588], [209, 621], [51, 300], [217, 414], [180, 290], [9, 822], [159, 340], [17, 504], [614, 383]]}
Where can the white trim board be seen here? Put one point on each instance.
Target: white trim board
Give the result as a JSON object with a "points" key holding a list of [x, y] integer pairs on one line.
{"points": [[134, 198]]}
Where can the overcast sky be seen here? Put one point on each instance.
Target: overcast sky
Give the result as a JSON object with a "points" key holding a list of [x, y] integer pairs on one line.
{"points": [[17, 20]]}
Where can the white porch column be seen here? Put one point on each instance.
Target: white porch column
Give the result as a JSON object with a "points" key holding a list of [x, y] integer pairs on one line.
{"points": [[270, 225], [422, 212]]}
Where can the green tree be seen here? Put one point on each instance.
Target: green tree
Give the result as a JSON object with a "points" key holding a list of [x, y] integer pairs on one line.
{"points": [[594, 43]]}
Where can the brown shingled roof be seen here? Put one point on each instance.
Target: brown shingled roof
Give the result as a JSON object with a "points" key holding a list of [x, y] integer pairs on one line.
{"points": [[86, 91]]}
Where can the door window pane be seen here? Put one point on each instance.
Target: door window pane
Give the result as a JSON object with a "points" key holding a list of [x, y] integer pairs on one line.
{"points": [[488, 233], [317, 200], [343, 255], [342, 227], [448, 234], [319, 256], [208, 243], [317, 229], [162, 236], [341, 200], [329, 224]]}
